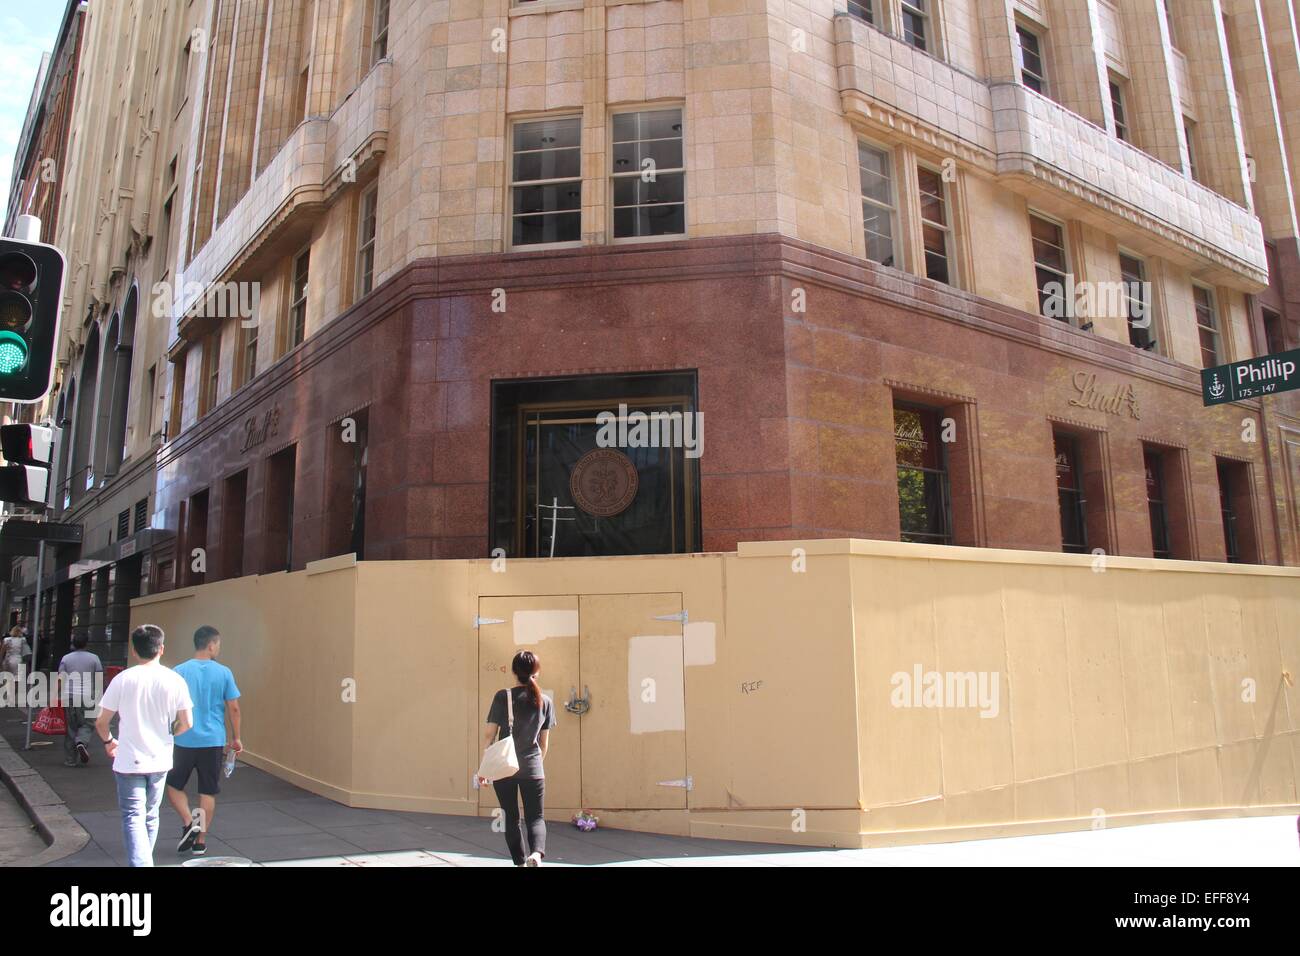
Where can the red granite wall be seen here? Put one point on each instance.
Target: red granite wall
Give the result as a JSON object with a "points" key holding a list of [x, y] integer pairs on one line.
{"points": [[799, 354]]}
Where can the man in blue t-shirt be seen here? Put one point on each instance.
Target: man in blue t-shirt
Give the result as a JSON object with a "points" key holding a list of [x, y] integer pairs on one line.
{"points": [[215, 696]]}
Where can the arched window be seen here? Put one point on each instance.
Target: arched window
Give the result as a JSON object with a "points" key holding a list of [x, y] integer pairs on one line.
{"points": [[121, 336], [66, 408], [84, 417]]}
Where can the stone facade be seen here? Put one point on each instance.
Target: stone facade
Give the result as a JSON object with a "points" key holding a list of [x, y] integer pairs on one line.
{"points": [[246, 142]]}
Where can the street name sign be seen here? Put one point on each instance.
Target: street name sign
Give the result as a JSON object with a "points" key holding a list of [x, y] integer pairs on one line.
{"points": [[1252, 378]]}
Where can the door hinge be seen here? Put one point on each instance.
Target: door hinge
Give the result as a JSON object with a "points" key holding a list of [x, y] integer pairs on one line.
{"points": [[688, 783], [683, 615], [480, 621]]}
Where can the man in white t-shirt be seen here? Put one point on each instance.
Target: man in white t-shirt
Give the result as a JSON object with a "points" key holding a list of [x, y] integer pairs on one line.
{"points": [[154, 704]]}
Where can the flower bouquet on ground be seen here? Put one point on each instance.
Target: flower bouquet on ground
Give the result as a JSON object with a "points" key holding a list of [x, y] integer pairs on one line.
{"points": [[586, 820]]}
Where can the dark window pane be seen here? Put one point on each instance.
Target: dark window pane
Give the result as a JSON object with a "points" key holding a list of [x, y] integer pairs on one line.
{"points": [[936, 268], [936, 253], [553, 198], [1274, 341], [665, 220], [550, 164], [651, 124], [633, 190], [930, 186], [1069, 483], [664, 154], [548, 134], [557, 227], [1156, 503], [914, 29], [880, 234], [862, 9]]}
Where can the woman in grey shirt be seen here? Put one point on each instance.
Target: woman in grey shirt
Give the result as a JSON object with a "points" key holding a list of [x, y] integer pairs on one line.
{"points": [[534, 718]]}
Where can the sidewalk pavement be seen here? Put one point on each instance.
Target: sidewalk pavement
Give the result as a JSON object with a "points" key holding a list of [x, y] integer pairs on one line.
{"points": [[19, 839], [268, 821]]}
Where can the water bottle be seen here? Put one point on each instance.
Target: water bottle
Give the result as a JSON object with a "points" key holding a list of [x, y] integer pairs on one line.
{"points": [[229, 767]]}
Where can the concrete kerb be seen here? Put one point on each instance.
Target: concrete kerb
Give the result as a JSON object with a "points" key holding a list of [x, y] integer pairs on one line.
{"points": [[62, 834]]}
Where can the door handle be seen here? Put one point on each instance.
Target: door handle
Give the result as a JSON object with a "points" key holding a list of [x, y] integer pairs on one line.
{"points": [[578, 705]]}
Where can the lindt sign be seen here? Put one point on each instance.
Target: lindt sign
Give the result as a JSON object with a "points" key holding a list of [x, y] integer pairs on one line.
{"points": [[1116, 399]]}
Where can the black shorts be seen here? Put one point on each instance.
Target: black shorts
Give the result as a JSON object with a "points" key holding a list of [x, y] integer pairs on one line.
{"points": [[206, 760]]}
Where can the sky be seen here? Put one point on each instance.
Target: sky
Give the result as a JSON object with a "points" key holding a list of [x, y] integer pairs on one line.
{"points": [[28, 28]]}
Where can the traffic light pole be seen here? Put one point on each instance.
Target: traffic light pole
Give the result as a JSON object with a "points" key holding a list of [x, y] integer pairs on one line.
{"points": [[36, 632], [37, 628]]}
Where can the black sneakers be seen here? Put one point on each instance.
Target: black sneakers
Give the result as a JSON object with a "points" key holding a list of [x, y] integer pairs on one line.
{"points": [[189, 833], [82, 753]]}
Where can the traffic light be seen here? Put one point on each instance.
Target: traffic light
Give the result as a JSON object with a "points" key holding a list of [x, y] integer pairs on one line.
{"points": [[25, 476], [31, 297]]}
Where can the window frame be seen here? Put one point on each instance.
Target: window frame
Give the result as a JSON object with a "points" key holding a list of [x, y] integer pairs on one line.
{"points": [[1189, 137], [612, 176], [1215, 330], [512, 184], [210, 374], [1272, 319], [176, 415], [379, 36], [1227, 512], [1039, 35], [895, 216], [246, 360], [302, 91], [1075, 496], [1158, 505], [291, 338], [1121, 127], [364, 281], [943, 473], [930, 31], [867, 14], [948, 228], [181, 94], [1068, 317], [1149, 330]]}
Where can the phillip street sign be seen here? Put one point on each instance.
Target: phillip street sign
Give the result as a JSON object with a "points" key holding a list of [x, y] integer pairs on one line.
{"points": [[1253, 378]]}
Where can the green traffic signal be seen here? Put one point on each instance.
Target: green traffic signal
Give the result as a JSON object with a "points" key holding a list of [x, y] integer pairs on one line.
{"points": [[13, 353], [31, 292]]}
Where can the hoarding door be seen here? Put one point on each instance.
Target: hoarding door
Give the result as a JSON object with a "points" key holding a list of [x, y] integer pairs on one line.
{"points": [[547, 626], [634, 731]]}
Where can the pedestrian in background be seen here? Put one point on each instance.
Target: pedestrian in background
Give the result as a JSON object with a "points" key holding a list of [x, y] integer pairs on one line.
{"points": [[216, 698], [534, 716], [78, 692], [16, 650], [154, 704]]}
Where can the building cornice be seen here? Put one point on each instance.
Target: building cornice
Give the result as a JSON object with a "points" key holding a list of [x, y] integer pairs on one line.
{"points": [[765, 255]]}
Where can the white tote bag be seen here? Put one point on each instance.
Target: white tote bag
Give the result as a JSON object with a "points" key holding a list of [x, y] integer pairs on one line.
{"points": [[499, 759]]}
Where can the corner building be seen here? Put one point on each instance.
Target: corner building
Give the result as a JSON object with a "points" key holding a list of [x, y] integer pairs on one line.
{"points": [[832, 230]]}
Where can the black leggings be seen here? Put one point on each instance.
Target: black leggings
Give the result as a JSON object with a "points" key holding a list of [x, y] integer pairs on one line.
{"points": [[533, 790]]}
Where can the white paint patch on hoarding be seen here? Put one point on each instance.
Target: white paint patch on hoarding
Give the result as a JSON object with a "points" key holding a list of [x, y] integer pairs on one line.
{"points": [[533, 627], [701, 643], [659, 658]]}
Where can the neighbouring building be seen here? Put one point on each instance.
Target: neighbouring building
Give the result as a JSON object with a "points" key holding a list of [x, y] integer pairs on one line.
{"points": [[372, 277], [111, 123], [38, 188]]}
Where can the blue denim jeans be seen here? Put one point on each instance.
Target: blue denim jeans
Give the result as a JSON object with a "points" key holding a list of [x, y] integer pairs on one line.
{"points": [[139, 795]]}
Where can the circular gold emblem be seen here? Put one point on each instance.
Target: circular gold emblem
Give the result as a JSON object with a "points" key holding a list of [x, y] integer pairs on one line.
{"points": [[603, 482]]}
